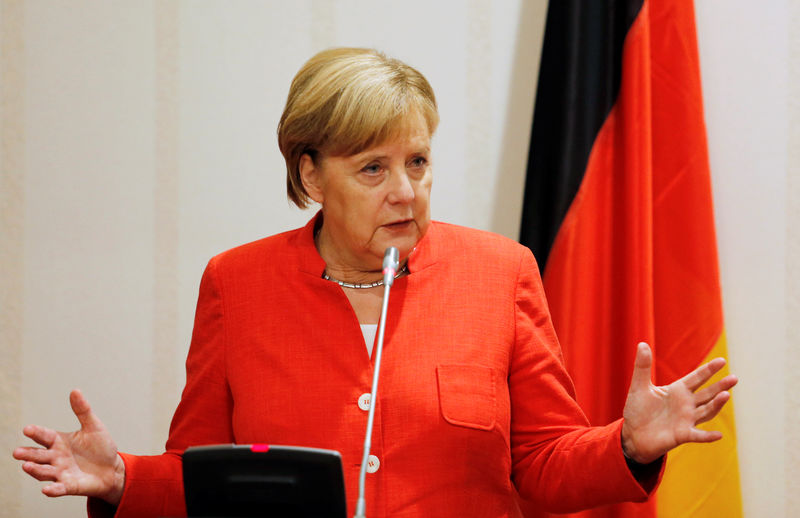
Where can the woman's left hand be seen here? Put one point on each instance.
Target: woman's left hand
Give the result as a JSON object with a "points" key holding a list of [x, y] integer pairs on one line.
{"points": [[658, 419]]}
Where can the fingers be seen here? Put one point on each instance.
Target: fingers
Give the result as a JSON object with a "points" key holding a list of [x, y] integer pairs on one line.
{"points": [[700, 375], [55, 489], [41, 472], [83, 411], [44, 436], [697, 435], [705, 395], [46, 474], [708, 411], [37, 455], [642, 367]]}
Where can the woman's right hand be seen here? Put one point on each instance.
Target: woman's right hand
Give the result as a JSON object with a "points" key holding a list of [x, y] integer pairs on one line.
{"points": [[84, 462]]}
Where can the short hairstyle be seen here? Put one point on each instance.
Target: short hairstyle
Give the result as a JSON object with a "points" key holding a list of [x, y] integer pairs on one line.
{"points": [[345, 100]]}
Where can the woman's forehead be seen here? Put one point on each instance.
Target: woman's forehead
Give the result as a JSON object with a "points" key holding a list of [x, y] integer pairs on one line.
{"points": [[357, 136], [407, 138], [411, 126]]}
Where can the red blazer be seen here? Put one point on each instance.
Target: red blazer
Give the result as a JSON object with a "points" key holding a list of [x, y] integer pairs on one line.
{"points": [[474, 402]]}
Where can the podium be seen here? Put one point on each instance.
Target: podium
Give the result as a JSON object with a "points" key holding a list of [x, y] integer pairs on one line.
{"points": [[259, 480]]}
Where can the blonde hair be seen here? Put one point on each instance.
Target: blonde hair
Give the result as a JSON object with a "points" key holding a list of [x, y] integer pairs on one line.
{"points": [[345, 100]]}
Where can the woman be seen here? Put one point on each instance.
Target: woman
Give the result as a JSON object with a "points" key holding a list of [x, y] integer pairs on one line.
{"points": [[475, 404]]}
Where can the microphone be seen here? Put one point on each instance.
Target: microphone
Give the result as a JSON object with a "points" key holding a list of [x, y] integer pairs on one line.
{"points": [[391, 260]]}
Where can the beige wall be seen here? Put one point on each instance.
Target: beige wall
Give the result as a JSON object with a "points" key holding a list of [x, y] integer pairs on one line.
{"points": [[791, 365], [747, 53], [137, 139]]}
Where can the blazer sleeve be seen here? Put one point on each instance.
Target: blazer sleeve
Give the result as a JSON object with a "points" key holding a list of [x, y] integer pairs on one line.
{"points": [[154, 484], [559, 462]]}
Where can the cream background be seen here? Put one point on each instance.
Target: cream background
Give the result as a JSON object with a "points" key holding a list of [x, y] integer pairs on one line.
{"points": [[137, 139]]}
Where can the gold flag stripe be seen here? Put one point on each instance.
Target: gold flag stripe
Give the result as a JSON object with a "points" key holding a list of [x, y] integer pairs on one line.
{"points": [[702, 480]]}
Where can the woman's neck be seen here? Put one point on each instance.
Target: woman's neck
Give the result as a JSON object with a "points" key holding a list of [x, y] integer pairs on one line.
{"points": [[344, 266]]}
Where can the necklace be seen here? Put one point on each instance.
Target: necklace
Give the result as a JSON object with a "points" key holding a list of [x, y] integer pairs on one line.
{"points": [[375, 284]]}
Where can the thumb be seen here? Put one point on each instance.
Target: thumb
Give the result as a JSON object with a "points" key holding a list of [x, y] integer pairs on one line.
{"points": [[83, 411], [642, 367]]}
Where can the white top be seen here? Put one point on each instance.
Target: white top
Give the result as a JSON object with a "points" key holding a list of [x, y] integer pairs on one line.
{"points": [[369, 331]]}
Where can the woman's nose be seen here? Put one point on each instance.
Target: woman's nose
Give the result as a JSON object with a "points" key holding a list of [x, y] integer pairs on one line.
{"points": [[400, 188]]}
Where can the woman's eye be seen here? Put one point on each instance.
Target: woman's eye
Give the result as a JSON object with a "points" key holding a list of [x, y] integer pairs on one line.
{"points": [[419, 161], [371, 169]]}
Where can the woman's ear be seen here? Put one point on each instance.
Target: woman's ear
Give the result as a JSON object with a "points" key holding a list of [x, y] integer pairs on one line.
{"points": [[311, 176]]}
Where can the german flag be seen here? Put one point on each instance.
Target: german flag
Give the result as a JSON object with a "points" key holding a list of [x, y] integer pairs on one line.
{"points": [[618, 212]]}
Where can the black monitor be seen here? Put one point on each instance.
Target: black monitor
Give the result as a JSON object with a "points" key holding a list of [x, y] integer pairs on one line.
{"points": [[259, 480]]}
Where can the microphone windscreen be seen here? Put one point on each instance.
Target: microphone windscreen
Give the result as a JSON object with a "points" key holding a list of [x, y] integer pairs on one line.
{"points": [[391, 260]]}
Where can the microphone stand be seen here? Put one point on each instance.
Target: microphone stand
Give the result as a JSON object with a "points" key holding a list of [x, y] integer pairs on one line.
{"points": [[390, 264]]}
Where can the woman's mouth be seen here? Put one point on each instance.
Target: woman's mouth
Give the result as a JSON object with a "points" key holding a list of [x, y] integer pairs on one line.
{"points": [[399, 225]]}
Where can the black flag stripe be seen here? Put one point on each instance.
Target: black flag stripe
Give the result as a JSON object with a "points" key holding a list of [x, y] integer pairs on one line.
{"points": [[579, 80]]}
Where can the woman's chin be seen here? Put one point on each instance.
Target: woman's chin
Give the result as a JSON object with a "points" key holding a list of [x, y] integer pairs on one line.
{"points": [[404, 245], [403, 237]]}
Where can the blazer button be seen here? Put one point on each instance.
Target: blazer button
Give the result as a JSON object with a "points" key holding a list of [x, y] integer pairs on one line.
{"points": [[373, 464], [363, 401]]}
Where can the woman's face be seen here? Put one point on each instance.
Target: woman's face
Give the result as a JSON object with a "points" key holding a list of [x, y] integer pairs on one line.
{"points": [[374, 199]]}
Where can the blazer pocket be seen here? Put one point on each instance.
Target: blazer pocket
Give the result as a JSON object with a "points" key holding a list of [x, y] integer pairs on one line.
{"points": [[467, 395]]}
